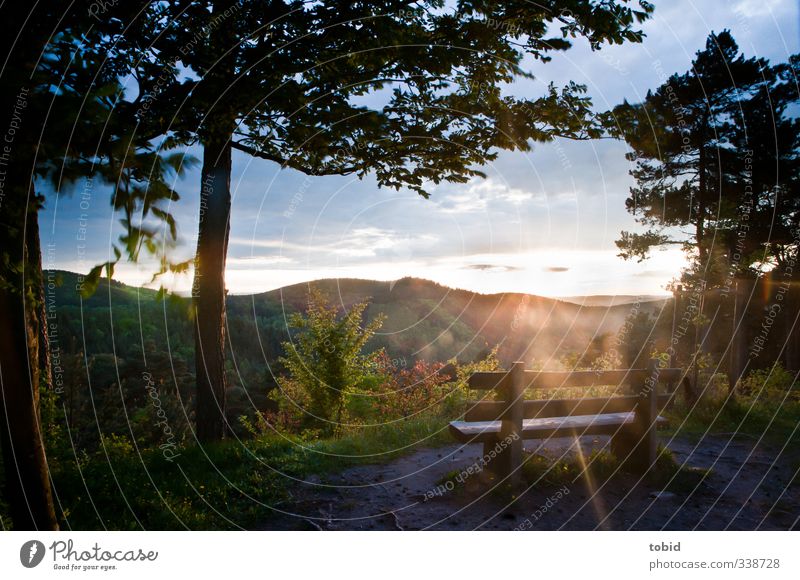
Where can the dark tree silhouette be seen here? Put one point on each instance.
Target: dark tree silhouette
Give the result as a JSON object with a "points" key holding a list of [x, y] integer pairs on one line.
{"points": [[767, 231], [713, 154], [65, 119]]}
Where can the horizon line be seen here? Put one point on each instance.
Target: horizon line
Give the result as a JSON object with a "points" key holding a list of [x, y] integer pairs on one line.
{"points": [[562, 297]]}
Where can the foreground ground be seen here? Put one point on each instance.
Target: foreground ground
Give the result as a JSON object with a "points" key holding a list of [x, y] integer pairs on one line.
{"points": [[749, 486]]}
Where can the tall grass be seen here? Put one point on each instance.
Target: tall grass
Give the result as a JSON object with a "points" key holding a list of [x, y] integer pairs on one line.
{"points": [[765, 405], [228, 485]]}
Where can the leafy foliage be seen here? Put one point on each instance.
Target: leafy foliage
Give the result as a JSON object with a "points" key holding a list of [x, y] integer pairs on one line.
{"points": [[402, 392], [324, 356], [766, 406], [774, 386], [290, 81]]}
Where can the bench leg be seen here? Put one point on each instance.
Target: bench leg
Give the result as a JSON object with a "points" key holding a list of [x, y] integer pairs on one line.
{"points": [[489, 464], [633, 449], [622, 443], [636, 444], [511, 427], [497, 459]]}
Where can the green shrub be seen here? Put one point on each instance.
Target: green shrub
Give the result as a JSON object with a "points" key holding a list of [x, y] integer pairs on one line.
{"points": [[774, 386], [324, 358], [764, 404]]}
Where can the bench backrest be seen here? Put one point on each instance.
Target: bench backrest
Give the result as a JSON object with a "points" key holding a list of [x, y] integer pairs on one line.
{"points": [[644, 383]]}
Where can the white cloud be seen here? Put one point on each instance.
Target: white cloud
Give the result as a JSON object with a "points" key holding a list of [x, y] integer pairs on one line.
{"points": [[755, 8], [480, 194]]}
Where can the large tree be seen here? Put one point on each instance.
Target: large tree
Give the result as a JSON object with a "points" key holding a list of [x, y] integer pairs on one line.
{"points": [[711, 147], [65, 119], [287, 81]]}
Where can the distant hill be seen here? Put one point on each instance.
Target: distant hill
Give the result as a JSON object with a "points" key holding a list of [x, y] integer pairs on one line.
{"points": [[434, 322], [424, 319], [613, 300]]}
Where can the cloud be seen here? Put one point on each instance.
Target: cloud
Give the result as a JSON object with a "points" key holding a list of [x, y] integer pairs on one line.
{"points": [[754, 8], [491, 267], [267, 243], [372, 241], [555, 269], [362, 242], [481, 194]]}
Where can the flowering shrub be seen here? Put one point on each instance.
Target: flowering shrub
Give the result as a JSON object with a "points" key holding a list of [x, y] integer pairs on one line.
{"points": [[334, 385], [404, 392]]}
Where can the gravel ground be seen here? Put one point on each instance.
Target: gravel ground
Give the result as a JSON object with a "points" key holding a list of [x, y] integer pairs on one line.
{"points": [[748, 489]]}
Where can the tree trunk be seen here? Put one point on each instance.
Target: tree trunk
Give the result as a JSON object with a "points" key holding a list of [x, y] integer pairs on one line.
{"points": [[208, 290], [27, 481], [792, 329], [743, 291], [701, 211], [24, 360]]}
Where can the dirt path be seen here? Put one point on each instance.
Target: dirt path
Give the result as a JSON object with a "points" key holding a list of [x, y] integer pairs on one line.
{"points": [[747, 489]]}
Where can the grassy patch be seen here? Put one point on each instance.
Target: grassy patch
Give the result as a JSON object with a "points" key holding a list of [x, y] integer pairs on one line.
{"points": [[5, 520], [542, 471], [765, 404], [450, 476], [383, 442], [776, 421], [600, 466], [669, 475]]}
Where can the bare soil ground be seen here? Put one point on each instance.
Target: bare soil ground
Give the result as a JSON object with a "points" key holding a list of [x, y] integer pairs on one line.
{"points": [[750, 487]]}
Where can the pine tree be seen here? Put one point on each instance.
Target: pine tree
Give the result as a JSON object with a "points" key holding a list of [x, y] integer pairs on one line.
{"points": [[697, 143]]}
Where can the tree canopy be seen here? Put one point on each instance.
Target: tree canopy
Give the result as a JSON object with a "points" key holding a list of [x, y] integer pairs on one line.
{"points": [[408, 92], [292, 81], [715, 156]]}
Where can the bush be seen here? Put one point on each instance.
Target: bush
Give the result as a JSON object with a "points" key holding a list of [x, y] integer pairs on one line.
{"points": [[324, 358], [398, 392], [766, 403], [772, 387]]}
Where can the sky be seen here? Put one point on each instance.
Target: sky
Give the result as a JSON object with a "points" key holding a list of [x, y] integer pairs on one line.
{"points": [[542, 222]]}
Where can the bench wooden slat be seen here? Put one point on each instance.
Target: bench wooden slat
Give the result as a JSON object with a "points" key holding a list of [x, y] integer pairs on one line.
{"points": [[556, 380], [488, 380], [493, 410], [605, 424]]}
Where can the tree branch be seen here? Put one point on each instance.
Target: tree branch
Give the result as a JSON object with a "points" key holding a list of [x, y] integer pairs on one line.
{"points": [[292, 164]]}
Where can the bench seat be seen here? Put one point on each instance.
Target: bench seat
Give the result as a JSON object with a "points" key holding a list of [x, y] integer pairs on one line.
{"points": [[604, 424]]}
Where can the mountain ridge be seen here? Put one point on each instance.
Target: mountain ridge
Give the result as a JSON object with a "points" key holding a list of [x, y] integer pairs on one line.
{"points": [[424, 319]]}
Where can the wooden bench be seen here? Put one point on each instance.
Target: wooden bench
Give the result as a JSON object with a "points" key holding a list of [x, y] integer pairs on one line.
{"points": [[631, 420]]}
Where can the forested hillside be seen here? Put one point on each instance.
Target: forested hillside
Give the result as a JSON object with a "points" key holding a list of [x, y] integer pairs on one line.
{"points": [[122, 333], [424, 320]]}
